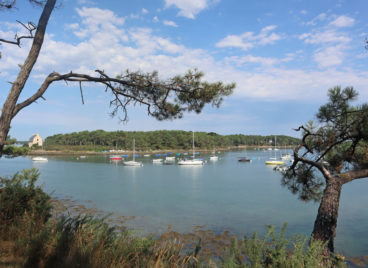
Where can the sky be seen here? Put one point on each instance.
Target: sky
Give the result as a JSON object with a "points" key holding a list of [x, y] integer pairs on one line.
{"points": [[282, 55]]}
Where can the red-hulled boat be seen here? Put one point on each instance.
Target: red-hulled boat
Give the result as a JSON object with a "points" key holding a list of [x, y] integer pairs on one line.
{"points": [[115, 157]]}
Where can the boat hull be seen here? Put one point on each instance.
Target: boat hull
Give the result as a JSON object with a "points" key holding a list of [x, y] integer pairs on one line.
{"points": [[133, 163], [116, 158], [274, 162], [39, 159], [190, 162]]}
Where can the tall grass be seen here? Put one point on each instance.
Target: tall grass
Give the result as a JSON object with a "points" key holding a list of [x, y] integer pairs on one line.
{"points": [[85, 241]]}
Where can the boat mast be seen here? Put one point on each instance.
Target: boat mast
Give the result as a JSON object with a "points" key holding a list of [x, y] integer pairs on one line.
{"points": [[133, 149], [193, 144]]}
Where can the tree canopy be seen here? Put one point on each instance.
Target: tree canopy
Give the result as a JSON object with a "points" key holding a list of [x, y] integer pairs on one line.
{"points": [[156, 140], [332, 152]]}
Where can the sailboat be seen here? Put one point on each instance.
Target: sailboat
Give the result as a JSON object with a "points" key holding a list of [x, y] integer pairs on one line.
{"points": [[214, 157], [133, 162], [191, 162], [273, 160]]}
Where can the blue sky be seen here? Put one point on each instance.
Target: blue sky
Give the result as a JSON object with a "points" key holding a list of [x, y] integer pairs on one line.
{"points": [[283, 56]]}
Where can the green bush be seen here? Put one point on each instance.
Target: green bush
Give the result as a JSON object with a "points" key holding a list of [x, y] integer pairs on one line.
{"points": [[20, 197], [277, 251], [13, 151]]}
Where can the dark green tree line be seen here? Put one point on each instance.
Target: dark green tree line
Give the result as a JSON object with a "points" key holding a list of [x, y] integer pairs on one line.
{"points": [[156, 140]]}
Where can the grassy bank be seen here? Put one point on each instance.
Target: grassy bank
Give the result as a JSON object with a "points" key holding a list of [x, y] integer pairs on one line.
{"points": [[30, 237]]}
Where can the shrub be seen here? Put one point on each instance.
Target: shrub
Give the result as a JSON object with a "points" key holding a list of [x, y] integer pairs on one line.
{"points": [[20, 198], [277, 251]]}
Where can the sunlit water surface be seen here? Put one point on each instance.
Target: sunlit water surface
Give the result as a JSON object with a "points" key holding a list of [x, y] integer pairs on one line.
{"points": [[224, 195]]}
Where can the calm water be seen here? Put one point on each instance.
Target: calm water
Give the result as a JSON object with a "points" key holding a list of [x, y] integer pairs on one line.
{"points": [[225, 195]]}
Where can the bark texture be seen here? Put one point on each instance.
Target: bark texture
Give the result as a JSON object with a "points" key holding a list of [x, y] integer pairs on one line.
{"points": [[326, 221], [8, 111]]}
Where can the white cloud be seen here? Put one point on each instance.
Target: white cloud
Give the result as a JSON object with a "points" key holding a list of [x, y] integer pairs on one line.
{"points": [[102, 47], [329, 56], [170, 23], [144, 11], [314, 21], [331, 42], [72, 26], [188, 8], [325, 36], [249, 59], [248, 40], [304, 12], [343, 21], [155, 19]]}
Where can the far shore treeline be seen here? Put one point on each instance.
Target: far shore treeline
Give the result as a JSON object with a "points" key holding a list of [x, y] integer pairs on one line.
{"points": [[158, 140]]}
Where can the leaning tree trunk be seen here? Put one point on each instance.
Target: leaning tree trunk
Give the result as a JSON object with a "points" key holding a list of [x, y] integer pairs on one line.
{"points": [[326, 221], [9, 109]]}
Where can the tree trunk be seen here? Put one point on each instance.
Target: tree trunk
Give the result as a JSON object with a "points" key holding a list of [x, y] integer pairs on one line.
{"points": [[326, 221], [8, 110]]}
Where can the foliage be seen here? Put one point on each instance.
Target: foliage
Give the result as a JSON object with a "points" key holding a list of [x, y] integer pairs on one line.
{"points": [[13, 151], [155, 140], [332, 152], [165, 99], [278, 251], [337, 142], [20, 197]]}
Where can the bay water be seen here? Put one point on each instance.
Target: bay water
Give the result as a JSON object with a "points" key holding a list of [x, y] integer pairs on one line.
{"points": [[224, 195]]}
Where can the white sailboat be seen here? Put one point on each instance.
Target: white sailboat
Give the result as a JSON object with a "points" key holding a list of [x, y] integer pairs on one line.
{"points": [[39, 159], [133, 162], [273, 160], [191, 162], [214, 157]]}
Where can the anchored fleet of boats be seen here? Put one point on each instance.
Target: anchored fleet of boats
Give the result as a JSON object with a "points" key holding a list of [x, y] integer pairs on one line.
{"points": [[170, 159]]}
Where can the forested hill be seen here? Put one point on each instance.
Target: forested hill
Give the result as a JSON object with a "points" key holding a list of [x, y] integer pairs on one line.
{"points": [[157, 140]]}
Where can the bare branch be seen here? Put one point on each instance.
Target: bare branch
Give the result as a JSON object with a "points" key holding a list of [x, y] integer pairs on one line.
{"points": [[30, 27]]}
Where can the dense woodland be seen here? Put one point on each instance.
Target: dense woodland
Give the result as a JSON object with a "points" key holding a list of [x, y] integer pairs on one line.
{"points": [[158, 140]]}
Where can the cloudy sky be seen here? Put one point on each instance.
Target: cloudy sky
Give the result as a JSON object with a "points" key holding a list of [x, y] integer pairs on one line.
{"points": [[283, 56]]}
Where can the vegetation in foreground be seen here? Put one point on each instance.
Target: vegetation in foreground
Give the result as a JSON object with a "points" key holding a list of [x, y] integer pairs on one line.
{"points": [[29, 237]]}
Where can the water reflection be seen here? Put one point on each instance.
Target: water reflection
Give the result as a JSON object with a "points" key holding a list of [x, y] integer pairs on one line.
{"points": [[194, 172]]}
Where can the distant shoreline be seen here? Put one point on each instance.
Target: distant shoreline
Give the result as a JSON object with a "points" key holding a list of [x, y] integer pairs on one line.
{"points": [[174, 151]]}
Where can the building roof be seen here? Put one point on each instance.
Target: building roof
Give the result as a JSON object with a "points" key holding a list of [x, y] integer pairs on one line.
{"points": [[33, 136]]}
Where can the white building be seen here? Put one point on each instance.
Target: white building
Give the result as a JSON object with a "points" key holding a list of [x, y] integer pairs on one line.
{"points": [[35, 139]]}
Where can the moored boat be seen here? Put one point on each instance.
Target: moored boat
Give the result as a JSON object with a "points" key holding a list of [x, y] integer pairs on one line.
{"points": [[191, 162], [133, 163], [115, 158], [244, 159], [39, 159], [273, 160]]}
